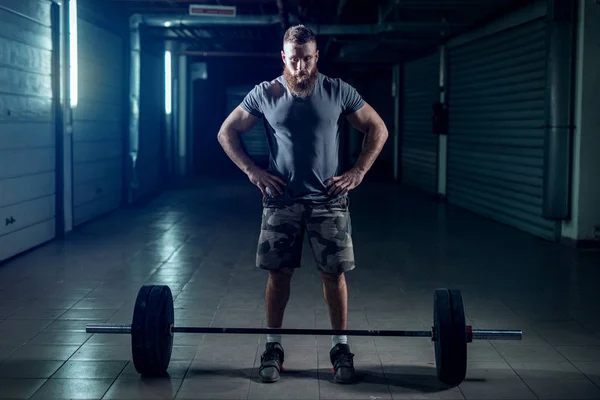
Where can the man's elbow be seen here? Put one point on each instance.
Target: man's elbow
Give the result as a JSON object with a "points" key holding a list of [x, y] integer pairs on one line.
{"points": [[224, 134], [380, 130]]}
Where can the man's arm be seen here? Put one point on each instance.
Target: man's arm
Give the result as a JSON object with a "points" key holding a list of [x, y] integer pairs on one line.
{"points": [[236, 124], [370, 123]]}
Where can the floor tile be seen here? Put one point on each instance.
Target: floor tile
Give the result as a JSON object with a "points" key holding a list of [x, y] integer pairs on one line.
{"points": [[28, 368], [90, 370], [19, 388], [73, 389], [150, 388]]}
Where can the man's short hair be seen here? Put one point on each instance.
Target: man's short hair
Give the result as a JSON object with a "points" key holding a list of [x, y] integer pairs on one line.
{"points": [[299, 34]]}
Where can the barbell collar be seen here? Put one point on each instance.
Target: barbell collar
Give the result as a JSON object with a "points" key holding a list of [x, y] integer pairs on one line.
{"points": [[496, 334]]}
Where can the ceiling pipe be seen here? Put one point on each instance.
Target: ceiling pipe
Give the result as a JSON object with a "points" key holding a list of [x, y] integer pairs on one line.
{"points": [[201, 21], [319, 29], [375, 29], [227, 54]]}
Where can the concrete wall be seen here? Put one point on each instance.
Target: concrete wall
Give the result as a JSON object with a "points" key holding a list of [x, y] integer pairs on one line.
{"points": [[585, 210]]}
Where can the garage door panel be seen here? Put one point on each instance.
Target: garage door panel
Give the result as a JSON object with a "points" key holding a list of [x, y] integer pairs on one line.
{"points": [[14, 164], [26, 109], [98, 139], [530, 188], [99, 170], [503, 57], [502, 156], [97, 207], [27, 214], [534, 85], [26, 238], [102, 93], [503, 41], [103, 70], [26, 135], [483, 118], [37, 10], [24, 30], [497, 113], [468, 171], [22, 82], [525, 62], [525, 75], [27, 142], [85, 152], [499, 164], [30, 187], [99, 41], [93, 110], [519, 104], [93, 190], [92, 131], [24, 57]]}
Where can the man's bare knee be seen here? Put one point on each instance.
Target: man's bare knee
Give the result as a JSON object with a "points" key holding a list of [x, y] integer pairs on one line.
{"points": [[282, 273], [332, 277]]}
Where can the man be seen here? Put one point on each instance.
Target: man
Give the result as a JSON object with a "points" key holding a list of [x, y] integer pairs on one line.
{"points": [[301, 189]]}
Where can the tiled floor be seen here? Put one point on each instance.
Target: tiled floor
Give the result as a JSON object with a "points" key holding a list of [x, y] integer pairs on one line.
{"points": [[201, 241]]}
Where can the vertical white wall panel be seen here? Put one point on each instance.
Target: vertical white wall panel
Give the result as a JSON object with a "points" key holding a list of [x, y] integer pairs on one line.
{"points": [[98, 124], [27, 141]]}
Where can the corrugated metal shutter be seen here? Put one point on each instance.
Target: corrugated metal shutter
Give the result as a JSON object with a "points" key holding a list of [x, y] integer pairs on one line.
{"points": [[421, 88], [254, 142], [98, 124], [27, 134], [496, 136]]}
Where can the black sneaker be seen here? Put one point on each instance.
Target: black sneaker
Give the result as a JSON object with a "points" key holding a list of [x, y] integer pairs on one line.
{"points": [[271, 363], [343, 363]]}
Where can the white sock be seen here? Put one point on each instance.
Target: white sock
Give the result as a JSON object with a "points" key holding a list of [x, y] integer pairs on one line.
{"points": [[335, 339], [271, 337]]}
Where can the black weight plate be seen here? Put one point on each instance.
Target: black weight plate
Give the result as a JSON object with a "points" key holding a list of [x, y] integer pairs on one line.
{"points": [[451, 337], [154, 342], [138, 328]]}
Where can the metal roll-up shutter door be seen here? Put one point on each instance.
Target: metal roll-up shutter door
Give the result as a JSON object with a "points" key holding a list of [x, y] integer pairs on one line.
{"points": [[419, 154], [98, 124], [255, 141], [496, 132]]}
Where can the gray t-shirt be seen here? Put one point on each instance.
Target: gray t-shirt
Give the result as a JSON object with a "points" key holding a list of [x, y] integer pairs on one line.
{"points": [[304, 143]]}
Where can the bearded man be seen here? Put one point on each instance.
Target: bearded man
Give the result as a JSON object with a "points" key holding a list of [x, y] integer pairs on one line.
{"points": [[303, 190]]}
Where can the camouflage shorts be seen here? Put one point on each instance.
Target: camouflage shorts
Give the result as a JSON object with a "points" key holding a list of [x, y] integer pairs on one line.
{"points": [[329, 232]]}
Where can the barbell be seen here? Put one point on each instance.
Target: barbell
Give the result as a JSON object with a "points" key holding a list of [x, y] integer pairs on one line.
{"points": [[153, 327]]}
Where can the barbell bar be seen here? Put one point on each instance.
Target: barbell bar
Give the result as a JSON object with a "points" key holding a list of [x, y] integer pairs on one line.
{"points": [[153, 328], [476, 334]]}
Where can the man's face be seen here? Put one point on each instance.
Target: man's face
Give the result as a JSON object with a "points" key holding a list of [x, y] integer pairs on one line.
{"points": [[300, 66]]}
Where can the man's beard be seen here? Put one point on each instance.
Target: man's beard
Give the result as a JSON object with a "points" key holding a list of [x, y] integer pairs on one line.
{"points": [[302, 85]]}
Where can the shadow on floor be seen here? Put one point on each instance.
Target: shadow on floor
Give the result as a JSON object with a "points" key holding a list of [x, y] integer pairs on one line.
{"points": [[408, 377]]}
